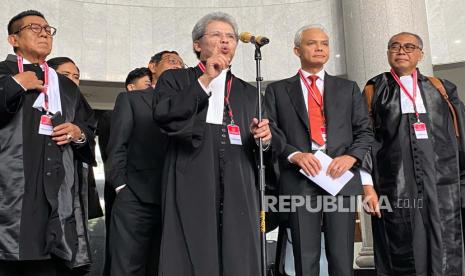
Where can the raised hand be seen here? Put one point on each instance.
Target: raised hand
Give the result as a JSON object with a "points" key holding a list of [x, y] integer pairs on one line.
{"points": [[29, 80], [214, 65]]}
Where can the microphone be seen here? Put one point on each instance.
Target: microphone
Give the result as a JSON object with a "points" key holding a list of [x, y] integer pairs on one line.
{"points": [[247, 37]]}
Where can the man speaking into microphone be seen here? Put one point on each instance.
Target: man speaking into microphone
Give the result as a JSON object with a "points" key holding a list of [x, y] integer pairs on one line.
{"points": [[210, 200]]}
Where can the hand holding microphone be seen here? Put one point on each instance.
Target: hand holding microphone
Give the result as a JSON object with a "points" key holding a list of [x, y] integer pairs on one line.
{"points": [[247, 37]]}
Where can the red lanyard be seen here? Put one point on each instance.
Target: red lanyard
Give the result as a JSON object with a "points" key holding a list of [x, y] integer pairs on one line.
{"points": [[313, 93], [412, 97], [309, 88], [45, 68], [226, 98]]}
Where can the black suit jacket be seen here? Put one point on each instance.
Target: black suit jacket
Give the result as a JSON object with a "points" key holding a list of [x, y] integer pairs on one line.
{"points": [[103, 132], [136, 148], [347, 126]]}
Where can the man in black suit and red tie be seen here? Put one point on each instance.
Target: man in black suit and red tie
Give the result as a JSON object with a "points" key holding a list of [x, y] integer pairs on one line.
{"points": [[316, 111]]}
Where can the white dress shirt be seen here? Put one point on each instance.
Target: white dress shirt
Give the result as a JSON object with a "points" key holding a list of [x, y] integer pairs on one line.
{"points": [[53, 91], [405, 102], [216, 101], [365, 176]]}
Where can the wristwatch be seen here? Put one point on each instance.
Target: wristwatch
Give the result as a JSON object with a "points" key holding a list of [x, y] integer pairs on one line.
{"points": [[82, 138]]}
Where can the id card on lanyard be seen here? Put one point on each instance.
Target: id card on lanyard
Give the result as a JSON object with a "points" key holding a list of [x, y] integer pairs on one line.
{"points": [[419, 127], [234, 131], [45, 125]]}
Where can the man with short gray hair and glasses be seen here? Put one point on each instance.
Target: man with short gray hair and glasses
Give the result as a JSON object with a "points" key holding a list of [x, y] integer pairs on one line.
{"points": [[416, 163], [210, 200]]}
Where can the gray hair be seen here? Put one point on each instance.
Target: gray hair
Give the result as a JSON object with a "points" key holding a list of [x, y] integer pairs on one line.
{"points": [[419, 40], [199, 29], [298, 34]]}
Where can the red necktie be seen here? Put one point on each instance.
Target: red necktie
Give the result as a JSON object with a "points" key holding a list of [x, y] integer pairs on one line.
{"points": [[315, 114]]}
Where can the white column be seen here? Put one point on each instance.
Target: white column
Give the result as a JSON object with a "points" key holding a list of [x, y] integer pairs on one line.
{"points": [[368, 25]]}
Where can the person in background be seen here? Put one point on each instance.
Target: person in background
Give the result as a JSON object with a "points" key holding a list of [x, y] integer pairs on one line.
{"points": [[163, 61], [136, 152], [138, 79], [67, 67]]}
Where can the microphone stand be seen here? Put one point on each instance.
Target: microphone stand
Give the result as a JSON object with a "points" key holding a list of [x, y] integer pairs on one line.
{"points": [[261, 167]]}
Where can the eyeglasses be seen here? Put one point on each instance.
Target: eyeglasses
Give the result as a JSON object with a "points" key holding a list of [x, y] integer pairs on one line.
{"points": [[218, 35], [36, 28], [173, 61], [408, 47]]}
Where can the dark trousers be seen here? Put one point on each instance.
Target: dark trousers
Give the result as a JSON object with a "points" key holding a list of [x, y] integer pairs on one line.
{"points": [[36, 268], [135, 236], [338, 227], [109, 195]]}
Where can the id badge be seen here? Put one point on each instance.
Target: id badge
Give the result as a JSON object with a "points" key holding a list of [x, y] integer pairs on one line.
{"points": [[323, 133], [420, 130], [46, 127], [234, 135]]}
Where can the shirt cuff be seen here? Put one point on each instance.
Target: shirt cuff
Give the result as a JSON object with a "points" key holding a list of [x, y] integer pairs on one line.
{"points": [[290, 156], [266, 144], [119, 188], [206, 89], [366, 178], [19, 84]]}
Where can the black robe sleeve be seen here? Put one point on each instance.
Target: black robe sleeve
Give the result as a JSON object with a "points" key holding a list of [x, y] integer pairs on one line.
{"points": [[10, 98], [181, 107], [368, 163], [84, 118], [460, 111]]}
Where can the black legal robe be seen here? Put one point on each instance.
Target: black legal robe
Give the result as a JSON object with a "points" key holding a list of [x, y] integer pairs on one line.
{"points": [[210, 196], [42, 210], [421, 178]]}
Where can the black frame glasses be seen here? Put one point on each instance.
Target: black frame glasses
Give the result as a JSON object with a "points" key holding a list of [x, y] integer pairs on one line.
{"points": [[408, 47], [36, 28]]}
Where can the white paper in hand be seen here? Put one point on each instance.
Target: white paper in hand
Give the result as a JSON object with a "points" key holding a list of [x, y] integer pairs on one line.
{"points": [[332, 186]]}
